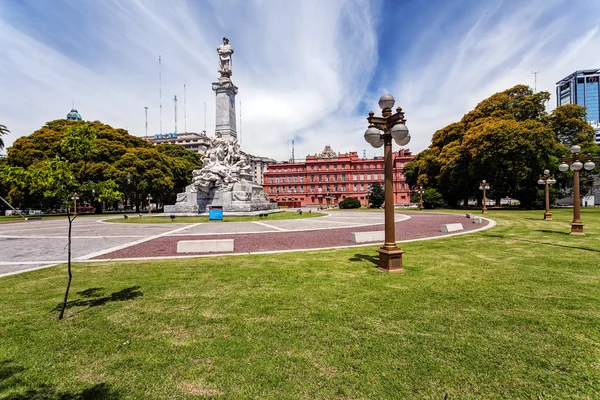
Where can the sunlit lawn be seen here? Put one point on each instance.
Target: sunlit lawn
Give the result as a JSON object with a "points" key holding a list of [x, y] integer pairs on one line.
{"points": [[508, 313]]}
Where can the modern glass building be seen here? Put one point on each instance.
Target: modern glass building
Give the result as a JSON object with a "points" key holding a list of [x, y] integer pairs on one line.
{"points": [[582, 88]]}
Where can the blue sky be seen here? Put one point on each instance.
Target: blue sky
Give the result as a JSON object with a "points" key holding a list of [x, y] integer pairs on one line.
{"points": [[306, 70]]}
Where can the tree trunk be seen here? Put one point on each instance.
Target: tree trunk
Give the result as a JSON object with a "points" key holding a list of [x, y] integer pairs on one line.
{"points": [[64, 306]]}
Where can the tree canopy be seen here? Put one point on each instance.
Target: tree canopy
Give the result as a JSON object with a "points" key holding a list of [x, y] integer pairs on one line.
{"points": [[508, 139], [3, 131], [104, 162]]}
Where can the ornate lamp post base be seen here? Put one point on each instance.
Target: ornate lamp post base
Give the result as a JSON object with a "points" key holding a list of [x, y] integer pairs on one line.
{"points": [[390, 260], [547, 216], [577, 229]]}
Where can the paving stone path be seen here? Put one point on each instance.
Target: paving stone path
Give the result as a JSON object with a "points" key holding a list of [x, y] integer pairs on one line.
{"points": [[36, 244]]}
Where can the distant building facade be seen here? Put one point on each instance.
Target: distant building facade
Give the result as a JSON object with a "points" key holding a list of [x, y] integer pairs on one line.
{"points": [[582, 88], [198, 143], [329, 177]]}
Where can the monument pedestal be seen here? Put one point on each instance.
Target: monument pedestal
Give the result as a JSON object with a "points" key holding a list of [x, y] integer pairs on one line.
{"points": [[225, 108]]}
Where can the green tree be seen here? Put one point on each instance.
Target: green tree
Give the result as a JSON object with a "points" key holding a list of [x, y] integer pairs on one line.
{"points": [[349, 202], [99, 153], [79, 147], [431, 198], [570, 127], [107, 192], [54, 178], [143, 172], [3, 131], [376, 196], [507, 139]]}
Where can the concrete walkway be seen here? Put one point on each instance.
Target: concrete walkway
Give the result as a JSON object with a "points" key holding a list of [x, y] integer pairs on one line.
{"points": [[37, 244]]}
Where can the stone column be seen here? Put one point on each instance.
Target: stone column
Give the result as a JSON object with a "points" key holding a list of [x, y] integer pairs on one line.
{"points": [[225, 110]]}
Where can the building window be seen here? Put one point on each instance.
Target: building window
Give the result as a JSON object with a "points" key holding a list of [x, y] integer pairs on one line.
{"points": [[270, 180], [362, 177], [312, 178], [355, 188], [301, 179], [368, 177], [354, 177], [343, 188], [320, 178], [277, 179], [312, 189], [343, 177]]}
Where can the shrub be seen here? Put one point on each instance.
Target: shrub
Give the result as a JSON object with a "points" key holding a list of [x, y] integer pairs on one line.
{"points": [[350, 202]]}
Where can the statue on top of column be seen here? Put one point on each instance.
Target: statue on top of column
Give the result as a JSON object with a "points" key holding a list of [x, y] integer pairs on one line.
{"points": [[225, 51]]}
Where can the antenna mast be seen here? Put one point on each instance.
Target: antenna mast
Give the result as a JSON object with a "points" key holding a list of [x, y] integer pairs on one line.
{"points": [[160, 90], [184, 109], [146, 111], [175, 101], [535, 80], [292, 157]]}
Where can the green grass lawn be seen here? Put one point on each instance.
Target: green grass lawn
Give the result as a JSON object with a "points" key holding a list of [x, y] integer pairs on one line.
{"points": [[17, 218], [165, 219], [508, 313]]}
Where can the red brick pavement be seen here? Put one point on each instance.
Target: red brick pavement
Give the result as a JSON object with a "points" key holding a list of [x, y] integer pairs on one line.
{"points": [[421, 225]]}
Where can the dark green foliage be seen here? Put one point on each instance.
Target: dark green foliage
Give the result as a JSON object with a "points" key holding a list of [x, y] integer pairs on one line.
{"points": [[376, 196], [3, 131], [98, 154], [508, 140], [431, 198], [350, 202]]}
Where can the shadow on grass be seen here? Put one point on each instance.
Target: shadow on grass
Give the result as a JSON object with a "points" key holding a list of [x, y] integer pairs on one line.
{"points": [[122, 295], [9, 380], [545, 243], [364, 257], [100, 391], [549, 231]]}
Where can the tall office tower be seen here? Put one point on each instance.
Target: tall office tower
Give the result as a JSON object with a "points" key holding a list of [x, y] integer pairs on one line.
{"points": [[582, 88]]}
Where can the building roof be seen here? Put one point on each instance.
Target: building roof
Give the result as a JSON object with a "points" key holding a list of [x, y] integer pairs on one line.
{"points": [[579, 72], [74, 115]]}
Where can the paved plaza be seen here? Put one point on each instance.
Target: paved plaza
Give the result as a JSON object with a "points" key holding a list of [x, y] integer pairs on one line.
{"points": [[36, 244]]}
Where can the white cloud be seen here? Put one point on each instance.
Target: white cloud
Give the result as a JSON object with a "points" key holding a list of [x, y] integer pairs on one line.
{"points": [[302, 67], [298, 68], [494, 49]]}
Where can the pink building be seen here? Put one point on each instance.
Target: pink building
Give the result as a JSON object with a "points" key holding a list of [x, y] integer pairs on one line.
{"points": [[329, 177]]}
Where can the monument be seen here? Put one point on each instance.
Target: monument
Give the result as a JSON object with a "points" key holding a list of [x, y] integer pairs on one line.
{"points": [[225, 179], [225, 91]]}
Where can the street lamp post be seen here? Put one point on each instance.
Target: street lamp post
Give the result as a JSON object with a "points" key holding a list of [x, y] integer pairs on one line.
{"points": [[419, 189], [381, 131], [576, 165], [484, 186], [547, 180], [149, 197], [75, 197]]}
